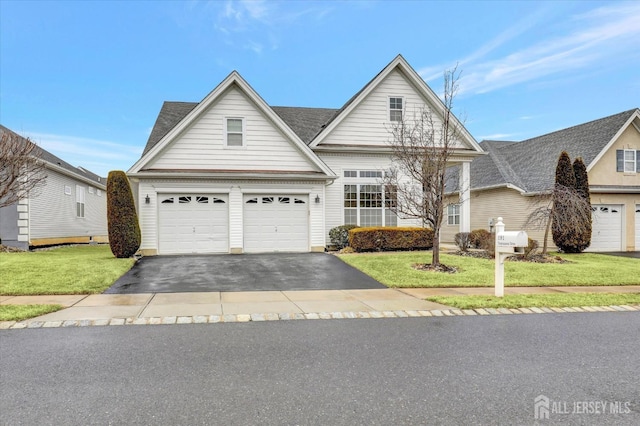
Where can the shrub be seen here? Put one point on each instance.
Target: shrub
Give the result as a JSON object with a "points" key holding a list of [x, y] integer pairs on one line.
{"points": [[389, 239], [531, 248], [122, 220], [463, 240], [339, 236], [479, 238]]}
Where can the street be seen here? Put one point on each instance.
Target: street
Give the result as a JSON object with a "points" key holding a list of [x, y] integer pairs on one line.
{"points": [[445, 370]]}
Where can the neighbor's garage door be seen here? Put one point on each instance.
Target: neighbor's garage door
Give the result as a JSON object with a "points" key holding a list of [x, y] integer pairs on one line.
{"points": [[637, 227], [606, 232], [276, 223], [193, 223]]}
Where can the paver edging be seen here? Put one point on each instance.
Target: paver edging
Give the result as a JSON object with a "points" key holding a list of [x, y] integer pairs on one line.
{"points": [[258, 317]]}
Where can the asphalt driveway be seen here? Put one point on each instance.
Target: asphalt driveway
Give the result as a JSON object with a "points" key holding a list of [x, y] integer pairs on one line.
{"points": [[246, 272]]}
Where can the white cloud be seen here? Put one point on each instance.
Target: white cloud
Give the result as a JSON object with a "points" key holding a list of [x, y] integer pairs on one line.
{"points": [[597, 38], [95, 155], [496, 136]]}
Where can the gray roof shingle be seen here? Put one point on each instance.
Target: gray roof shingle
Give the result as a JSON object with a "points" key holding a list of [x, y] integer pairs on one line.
{"points": [[530, 164]]}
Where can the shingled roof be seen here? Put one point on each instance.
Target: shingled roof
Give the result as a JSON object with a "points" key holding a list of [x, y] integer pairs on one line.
{"points": [[530, 164], [52, 159], [305, 122]]}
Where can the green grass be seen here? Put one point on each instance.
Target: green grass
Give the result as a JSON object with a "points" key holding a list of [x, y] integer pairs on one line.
{"points": [[538, 300], [394, 270], [65, 270], [23, 312]]}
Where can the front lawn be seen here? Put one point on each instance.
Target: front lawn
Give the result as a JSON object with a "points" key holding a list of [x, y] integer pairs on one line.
{"points": [[394, 270], [79, 269], [23, 312], [538, 300]]}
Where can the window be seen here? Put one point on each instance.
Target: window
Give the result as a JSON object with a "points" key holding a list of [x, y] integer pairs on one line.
{"points": [[395, 109], [368, 203], [235, 131], [79, 201], [453, 214], [628, 160], [67, 190], [98, 193], [350, 173]]}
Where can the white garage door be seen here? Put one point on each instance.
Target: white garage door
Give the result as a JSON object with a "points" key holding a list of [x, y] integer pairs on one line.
{"points": [[637, 227], [276, 223], [193, 223], [606, 232]]}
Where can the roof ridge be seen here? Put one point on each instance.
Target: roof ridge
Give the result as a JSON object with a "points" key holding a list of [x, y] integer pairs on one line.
{"points": [[504, 167]]}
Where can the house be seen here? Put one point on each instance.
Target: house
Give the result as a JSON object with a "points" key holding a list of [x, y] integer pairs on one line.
{"points": [[232, 174], [510, 180], [70, 207]]}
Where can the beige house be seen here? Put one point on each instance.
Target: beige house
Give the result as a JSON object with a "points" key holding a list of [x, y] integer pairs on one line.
{"points": [[510, 180]]}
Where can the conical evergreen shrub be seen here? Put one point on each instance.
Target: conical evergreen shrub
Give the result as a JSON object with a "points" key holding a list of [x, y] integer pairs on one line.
{"points": [[561, 227], [122, 219]]}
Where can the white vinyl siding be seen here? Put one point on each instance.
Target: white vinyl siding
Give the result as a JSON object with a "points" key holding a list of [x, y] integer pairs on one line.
{"points": [[343, 164], [236, 190], [202, 145], [53, 214], [368, 124]]}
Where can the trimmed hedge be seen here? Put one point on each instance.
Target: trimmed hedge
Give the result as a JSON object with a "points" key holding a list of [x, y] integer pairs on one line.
{"points": [[389, 239], [122, 220]]}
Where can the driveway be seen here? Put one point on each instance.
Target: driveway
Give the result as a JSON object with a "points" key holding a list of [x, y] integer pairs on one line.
{"points": [[246, 272]]}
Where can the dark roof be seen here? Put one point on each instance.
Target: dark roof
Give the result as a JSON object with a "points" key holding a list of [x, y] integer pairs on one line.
{"points": [[305, 122], [530, 164], [50, 158]]}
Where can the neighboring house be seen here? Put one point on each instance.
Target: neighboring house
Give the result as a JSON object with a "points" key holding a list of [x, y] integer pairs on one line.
{"points": [[232, 174], [509, 180], [70, 207]]}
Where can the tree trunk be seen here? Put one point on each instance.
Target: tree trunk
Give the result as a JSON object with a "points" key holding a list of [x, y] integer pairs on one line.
{"points": [[435, 261], [546, 235]]}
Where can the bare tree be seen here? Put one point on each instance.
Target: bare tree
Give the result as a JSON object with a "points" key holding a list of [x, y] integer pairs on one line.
{"points": [[577, 212], [422, 145], [22, 172]]}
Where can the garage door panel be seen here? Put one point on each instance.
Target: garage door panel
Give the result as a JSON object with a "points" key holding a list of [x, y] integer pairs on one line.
{"points": [[193, 223], [606, 227], [276, 223]]}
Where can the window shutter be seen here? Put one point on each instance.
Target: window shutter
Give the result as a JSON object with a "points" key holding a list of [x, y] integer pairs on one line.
{"points": [[619, 160], [637, 161]]}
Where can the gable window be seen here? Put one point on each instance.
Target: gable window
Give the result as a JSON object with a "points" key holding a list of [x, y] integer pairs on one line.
{"points": [[369, 203], [453, 214], [235, 131], [395, 109], [628, 160], [79, 201]]}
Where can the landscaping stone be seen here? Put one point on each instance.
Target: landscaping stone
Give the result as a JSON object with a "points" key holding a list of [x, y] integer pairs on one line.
{"points": [[155, 320], [35, 324], [141, 321], [70, 323], [364, 314], [376, 314], [425, 313], [481, 311], [537, 310], [271, 317], [413, 314], [312, 316], [100, 322], [437, 313], [257, 317], [469, 312], [229, 318], [4, 325], [215, 318], [52, 324], [200, 319], [388, 314], [243, 318], [184, 320], [324, 315], [401, 314], [169, 320]]}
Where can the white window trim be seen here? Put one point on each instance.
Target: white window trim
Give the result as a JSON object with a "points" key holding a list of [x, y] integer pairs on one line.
{"points": [[633, 162], [452, 215], [389, 108], [80, 201], [243, 133], [358, 182]]}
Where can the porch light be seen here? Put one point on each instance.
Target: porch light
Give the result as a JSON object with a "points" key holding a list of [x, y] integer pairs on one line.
{"points": [[147, 200], [317, 199]]}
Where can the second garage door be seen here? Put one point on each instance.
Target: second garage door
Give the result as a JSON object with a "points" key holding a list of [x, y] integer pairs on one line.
{"points": [[276, 223]]}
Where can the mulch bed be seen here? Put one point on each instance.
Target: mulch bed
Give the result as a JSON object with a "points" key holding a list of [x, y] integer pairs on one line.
{"points": [[534, 258], [436, 268], [7, 249]]}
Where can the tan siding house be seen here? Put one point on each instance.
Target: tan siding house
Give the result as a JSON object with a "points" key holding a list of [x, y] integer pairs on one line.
{"points": [[509, 181]]}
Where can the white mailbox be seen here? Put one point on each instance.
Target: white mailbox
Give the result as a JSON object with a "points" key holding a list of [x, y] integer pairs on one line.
{"points": [[511, 241]]}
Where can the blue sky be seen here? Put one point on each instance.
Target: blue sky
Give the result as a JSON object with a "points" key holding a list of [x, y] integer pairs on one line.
{"points": [[86, 80]]}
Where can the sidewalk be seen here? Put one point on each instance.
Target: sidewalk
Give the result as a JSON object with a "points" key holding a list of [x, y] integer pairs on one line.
{"points": [[150, 308]]}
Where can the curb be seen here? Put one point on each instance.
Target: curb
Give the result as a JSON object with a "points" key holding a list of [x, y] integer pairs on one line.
{"points": [[214, 319]]}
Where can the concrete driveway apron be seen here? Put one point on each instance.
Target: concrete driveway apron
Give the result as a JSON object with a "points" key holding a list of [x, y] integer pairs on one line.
{"points": [[246, 272]]}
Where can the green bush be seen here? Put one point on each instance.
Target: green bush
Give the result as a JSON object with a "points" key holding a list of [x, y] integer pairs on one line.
{"points": [[389, 239], [339, 236], [479, 238], [122, 220]]}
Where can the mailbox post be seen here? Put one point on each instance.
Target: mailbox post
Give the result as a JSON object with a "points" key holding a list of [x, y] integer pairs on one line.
{"points": [[507, 244]]}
